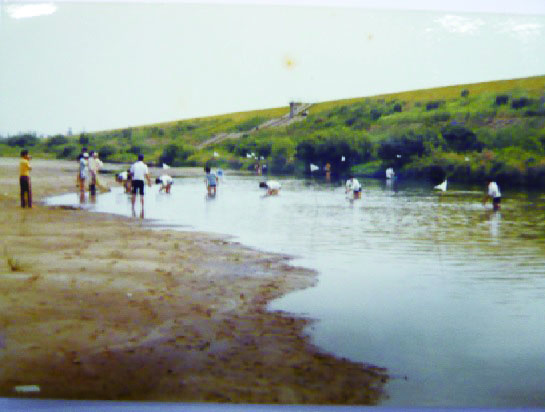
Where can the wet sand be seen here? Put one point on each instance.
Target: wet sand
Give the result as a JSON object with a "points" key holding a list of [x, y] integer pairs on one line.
{"points": [[95, 306]]}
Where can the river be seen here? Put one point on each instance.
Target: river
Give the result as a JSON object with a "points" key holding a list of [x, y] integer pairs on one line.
{"points": [[446, 294]]}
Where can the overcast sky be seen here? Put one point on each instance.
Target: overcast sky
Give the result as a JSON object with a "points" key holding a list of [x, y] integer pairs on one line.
{"points": [[95, 66]]}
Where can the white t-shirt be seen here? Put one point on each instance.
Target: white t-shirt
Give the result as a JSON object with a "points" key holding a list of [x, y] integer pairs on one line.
{"points": [[123, 175], [389, 173], [353, 184], [493, 190], [166, 180], [273, 185], [139, 170]]}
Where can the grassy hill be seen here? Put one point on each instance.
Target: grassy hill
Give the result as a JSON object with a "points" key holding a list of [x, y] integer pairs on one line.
{"points": [[464, 132]]}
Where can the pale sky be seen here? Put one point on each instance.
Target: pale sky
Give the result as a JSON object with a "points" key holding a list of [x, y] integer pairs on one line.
{"points": [[96, 66]]}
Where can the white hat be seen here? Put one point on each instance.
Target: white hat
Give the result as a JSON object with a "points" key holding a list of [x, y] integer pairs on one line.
{"points": [[85, 154]]}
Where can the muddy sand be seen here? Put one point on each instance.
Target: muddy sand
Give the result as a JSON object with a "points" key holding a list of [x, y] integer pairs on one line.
{"points": [[94, 306]]}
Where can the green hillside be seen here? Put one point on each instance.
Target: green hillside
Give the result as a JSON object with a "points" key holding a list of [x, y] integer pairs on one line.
{"points": [[464, 132]]}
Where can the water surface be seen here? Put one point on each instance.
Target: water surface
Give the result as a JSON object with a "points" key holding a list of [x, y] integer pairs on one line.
{"points": [[430, 285]]}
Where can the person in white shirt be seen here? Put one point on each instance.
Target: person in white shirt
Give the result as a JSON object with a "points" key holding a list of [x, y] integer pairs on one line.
{"points": [[353, 187], [493, 192], [390, 174], [272, 186], [165, 181], [83, 171], [139, 171], [125, 179]]}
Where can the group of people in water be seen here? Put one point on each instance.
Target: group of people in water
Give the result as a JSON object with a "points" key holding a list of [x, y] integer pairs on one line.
{"points": [[138, 174], [89, 167]]}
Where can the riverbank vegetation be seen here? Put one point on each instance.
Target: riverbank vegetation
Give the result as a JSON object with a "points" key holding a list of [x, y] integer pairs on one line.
{"points": [[464, 133]]}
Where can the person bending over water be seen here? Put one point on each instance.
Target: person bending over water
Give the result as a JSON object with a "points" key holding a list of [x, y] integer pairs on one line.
{"points": [[211, 182], [272, 186], [353, 188], [166, 182], [125, 179], [493, 192]]}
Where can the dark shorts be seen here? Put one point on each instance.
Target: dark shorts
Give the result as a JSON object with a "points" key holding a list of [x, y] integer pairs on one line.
{"points": [[138, 186], [496, 200]]}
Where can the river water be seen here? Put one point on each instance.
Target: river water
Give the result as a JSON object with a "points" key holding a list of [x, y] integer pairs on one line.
{"points": [[449, 296]]}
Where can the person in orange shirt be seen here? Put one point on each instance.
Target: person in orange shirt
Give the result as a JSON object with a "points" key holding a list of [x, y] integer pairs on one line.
{"points": [[24, 179]]}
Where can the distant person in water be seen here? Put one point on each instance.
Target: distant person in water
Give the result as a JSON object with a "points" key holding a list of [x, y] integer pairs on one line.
{"points": [[273, 187], [83, 171], [165, 181], [80, 155], [125, 179], [493, 192], [211, 182], [390, 174], [24, 179], [139, 172], [353, 187]]}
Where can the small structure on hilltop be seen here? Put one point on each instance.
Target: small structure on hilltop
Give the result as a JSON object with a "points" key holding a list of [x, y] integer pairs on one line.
{"points": [[293, 108]]}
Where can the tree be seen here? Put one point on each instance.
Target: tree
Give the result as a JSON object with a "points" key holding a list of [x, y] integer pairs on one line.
{"points": [[460, 138]]}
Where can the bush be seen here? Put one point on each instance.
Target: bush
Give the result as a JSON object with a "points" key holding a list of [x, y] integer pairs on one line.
{"points": [[502, 99], [68, 152], [126, 133], [106, 151], [375, 114], [399, 150], [460, 139], [176, 154], [56, 140], [434, 105], [397, 108], [282, 152], [135, 150], [520, 102], [22, 140], [83, 139], [464, 93]]}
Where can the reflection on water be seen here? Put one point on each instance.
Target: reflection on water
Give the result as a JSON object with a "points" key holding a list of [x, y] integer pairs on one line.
{"points": [[430, 285]]}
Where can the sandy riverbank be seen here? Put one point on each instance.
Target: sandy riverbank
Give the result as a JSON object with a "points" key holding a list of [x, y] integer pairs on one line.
{"points": [[94, 306]]}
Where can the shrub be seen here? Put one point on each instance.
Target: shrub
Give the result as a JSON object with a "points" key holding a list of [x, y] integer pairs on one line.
{"points": [[460, 139], [22, 140], [520, 102], [398, 150], [83, 139], [176, 154], [56, 140], [68, 152], [501, 99], [135, 150], [434, 105], [464, 93], [441, 117], [375, 114], [126, 133], [106, 151], [397, 108]]}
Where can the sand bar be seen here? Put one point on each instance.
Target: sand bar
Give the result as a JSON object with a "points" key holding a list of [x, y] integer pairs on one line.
{"points": [[95, 306]]}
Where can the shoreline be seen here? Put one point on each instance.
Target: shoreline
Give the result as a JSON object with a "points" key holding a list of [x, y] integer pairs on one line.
{"points": [[99, 306]]}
